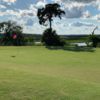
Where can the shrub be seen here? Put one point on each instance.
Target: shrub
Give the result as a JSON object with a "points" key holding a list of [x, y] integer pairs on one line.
{"points": [[95, 40], [50, 38]]}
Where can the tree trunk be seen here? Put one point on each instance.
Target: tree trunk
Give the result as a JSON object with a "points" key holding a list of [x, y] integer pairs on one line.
{"points": [[50, 21]]}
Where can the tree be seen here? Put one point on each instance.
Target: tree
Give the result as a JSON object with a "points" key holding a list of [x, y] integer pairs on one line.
{"points": [[47, 13], [94, 39], [12, 33], [50, 38]]}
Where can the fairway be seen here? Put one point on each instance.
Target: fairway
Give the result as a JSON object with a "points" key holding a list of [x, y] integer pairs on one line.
{"points": [[38, 73]]}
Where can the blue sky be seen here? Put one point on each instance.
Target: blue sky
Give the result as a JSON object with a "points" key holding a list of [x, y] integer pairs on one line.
{"points": [[81, 15]]}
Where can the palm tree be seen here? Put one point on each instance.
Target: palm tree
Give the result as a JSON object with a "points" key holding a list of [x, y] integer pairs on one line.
{"points": [[47, 13]]}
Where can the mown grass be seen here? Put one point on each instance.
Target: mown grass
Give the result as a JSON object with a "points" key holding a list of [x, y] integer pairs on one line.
{"points": [[38, 73]]}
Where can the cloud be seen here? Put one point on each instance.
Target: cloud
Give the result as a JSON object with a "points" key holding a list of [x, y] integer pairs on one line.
{"points": [[9, 12], [9, 1], [2, 6], [86, 14], [77, 8], [97, 17], [25, 13], [40, 4], [28, 12], [82, 1], [30, 22], [31, 11], [73, 10], [97, 4], [80, 24]]}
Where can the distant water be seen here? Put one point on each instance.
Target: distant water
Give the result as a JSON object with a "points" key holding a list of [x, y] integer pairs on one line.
{"points": [[81, 44]]}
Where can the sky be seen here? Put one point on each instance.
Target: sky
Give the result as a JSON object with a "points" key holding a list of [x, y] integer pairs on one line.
{"points": [[81, 17]]}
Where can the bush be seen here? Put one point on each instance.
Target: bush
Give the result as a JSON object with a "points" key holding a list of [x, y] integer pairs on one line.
{"points": [[29, 41], [12, 33], [50, 38], [10, 40], [95, 40]]}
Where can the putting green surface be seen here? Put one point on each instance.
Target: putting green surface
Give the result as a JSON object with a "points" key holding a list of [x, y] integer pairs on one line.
{"points": [[37, 73]]}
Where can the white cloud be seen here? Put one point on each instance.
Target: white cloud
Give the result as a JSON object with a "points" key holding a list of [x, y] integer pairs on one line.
{"points": [[86, 14], [97, 4], [2, 6], [9, 1], [10, 12], [82, 1], [79, 24], [74, 9], [31, 11], [40, 4], [97, 17], [24, 13]]}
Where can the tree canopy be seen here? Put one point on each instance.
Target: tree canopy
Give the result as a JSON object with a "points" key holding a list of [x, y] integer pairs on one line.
{"points": [[12, 33], [47, 13]]}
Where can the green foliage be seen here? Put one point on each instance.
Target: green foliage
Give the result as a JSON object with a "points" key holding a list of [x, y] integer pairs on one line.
{"points": [[50, 38], [94, 39], [29, 40], [12, 33], [47, 13]]}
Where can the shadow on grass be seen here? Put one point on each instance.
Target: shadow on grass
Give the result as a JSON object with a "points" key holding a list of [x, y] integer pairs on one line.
{"points": [[72, 48]]}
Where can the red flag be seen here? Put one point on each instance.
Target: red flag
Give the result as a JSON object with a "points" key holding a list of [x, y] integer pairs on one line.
{"points": [[14, 36]]}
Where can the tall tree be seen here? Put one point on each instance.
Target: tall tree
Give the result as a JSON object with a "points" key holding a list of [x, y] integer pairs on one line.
{"points": [[50, 38], [47, 13]]}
